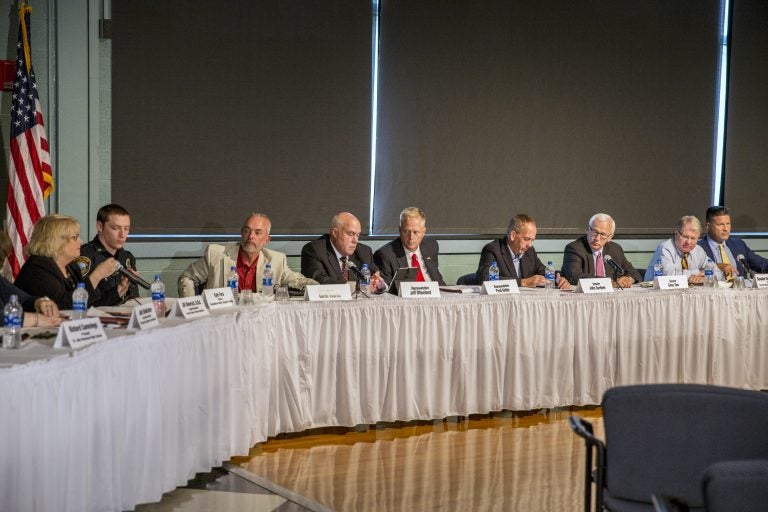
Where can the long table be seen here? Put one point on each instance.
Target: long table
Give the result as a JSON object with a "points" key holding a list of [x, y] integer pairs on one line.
{"points": [[120, 422]]}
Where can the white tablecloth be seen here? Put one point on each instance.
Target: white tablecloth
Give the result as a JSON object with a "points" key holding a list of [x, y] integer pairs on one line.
{"points": [[123, 421]]}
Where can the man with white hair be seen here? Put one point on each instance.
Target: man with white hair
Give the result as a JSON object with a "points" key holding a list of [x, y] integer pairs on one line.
{"points": [[330, 258], [681, 254], [587, 255]]}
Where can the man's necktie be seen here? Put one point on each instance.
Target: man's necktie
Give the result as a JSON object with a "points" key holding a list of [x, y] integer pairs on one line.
{"points": [[599, 267], [685, 261], [723, 255], [344, 268], [724, 259], [415, 264]]}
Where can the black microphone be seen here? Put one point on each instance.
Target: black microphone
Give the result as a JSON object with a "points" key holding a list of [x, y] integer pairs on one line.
{"points": [[351, 265], [741, 259], [131, 276], [615, 266]]}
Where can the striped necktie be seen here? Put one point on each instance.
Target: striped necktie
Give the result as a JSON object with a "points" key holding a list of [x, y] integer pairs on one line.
{"points": [[724, 255], [685, 261], [344, 268]]}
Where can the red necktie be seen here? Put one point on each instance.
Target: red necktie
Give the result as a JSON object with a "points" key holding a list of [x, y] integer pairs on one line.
{"points": [[344, 268], [415, 264]]}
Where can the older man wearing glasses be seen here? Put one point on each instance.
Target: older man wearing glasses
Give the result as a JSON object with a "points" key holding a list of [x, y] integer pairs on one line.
{"points": [[587, 255], [248, 256], [681, 254]]}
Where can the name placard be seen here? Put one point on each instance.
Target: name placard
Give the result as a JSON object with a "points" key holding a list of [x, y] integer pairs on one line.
{"points": [[670, 282], [760, 281], [189, 307], [80, 333], [217, 298], [419, 290], [323, 292], [143, 317], [500, 287], [595, 285]]}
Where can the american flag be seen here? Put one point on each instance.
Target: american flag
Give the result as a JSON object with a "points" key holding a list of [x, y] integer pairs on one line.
{"points": [[30, 178]]}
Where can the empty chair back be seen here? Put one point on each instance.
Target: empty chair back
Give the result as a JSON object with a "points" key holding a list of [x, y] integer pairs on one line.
{"points": [[661, 438], [736, 485]]}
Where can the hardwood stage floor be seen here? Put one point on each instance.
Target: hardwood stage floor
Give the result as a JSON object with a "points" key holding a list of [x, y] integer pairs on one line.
{"points": [[528, 461]]}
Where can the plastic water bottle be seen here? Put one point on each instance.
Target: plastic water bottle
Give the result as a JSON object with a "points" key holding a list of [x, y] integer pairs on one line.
{"points": [[79, 302], [493, 272], [267, 283], [709, 274], [158, 296], [233, 282], [550, 276], [365, 278], [658, 268], [12, 317]]}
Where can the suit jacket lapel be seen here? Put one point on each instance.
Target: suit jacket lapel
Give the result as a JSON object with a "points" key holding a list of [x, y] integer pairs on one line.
{"points": [[333, 264], [399, 250], [506, 257], [591, 270]]}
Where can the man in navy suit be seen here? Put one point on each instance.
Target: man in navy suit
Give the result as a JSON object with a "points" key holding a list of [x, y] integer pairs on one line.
{"points": [[329, 259], [725, 249], [410, 249], [515, 256]]}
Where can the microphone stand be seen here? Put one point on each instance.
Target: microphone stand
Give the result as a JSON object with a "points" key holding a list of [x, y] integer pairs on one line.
{"points": [[358, 291]]}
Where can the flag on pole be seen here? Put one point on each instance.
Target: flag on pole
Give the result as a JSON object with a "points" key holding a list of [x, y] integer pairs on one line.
{"points": [[30, 177]]}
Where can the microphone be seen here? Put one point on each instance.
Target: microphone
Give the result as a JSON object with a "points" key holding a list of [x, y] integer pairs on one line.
{"points": [[131, 276], [351, 265], [615, 266], [741, 259]]}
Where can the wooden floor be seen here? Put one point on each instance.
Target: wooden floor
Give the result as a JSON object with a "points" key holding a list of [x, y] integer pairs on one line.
{"points": [[505, 461]]}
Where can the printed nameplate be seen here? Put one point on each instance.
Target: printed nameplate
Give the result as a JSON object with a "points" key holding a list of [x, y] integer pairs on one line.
{"points": [[419, 290], [143, 317], [189, 307], [500, 287], [670, 282], [760, 281], [321, 292], [80, 333], [217, 298], [595, 285]]}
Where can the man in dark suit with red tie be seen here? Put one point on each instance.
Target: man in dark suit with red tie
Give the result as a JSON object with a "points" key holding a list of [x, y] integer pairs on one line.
{"points": [[515, 256], [410, 249], [329, 259]]}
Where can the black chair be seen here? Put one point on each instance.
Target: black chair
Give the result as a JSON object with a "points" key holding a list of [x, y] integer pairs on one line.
{"points": [[467, 280], [736, 485], [660, 438]]}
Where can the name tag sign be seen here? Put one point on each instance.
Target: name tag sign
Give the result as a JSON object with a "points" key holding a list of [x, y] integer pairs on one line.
{"points": [[595, 285], [500, 287], [189, 307], [324, 292], [670, 282], [80, 333], [218, 298], [760, 281], [143, 317], [419, 290]]}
